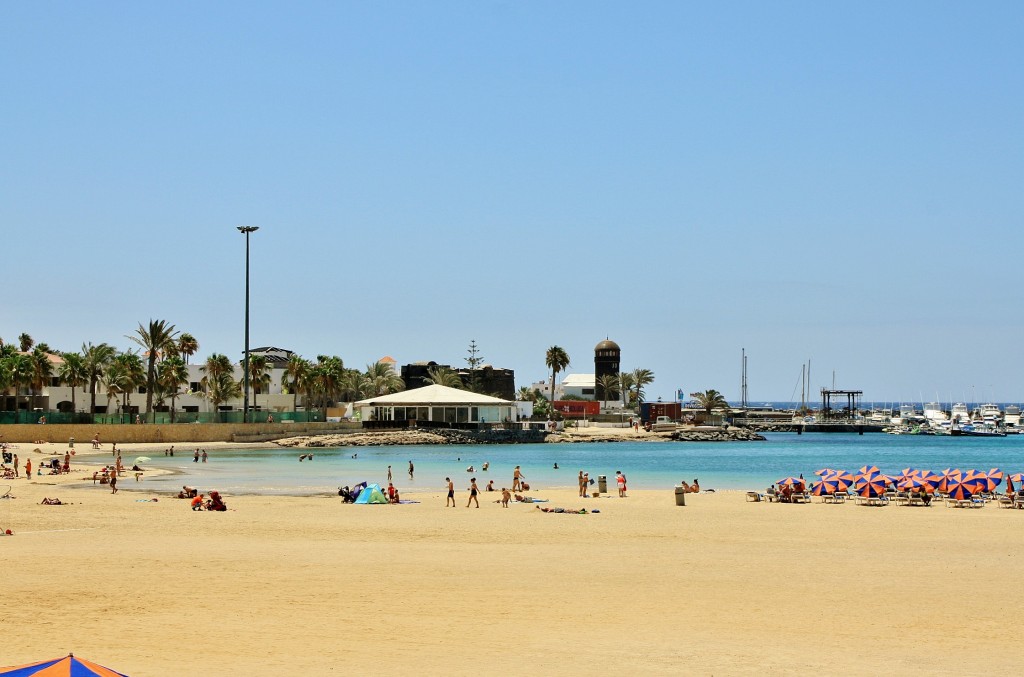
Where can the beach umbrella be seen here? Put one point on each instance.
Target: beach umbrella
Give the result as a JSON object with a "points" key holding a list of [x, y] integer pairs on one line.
{"points": [[930, 482], [992, 479], [961, 488], [826, 486], [141, 459], [844, 479], [870, 486], [68, 665], [795, 482], [908, 472], [892, 479], [1017, 477], [949, 472], [824, 471], [869, 470]]}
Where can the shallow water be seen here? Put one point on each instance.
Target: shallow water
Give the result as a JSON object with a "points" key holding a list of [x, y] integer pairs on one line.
{"points": [[648, 465]]}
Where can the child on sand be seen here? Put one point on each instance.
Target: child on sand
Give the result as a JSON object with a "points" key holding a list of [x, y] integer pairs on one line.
{"points": [[506, 496]]}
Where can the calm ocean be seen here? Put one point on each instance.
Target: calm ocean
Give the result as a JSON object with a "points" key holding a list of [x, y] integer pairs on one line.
{"points": [[724, 465]]}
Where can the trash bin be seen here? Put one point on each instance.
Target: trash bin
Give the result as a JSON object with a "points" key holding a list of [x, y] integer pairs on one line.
{"points": [[602, 484], [680, 495]]}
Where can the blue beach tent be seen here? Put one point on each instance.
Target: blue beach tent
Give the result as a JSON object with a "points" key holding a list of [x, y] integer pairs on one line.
{"points": [[371, 494]]}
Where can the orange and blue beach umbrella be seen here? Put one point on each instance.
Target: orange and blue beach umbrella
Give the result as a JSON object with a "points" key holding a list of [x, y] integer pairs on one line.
{"points": [[961, 488], [68, 666], [869, 470], [826, 486], [870, 485], [791, 481]]}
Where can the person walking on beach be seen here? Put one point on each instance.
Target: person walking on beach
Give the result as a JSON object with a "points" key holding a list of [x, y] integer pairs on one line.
{"points": [[473, 491], [620, 479], [411, 469], [451, 492], [113, 482], [581, 483], [28, 468], [506, 496], [389, 473], [517, 478], [16, 465]]}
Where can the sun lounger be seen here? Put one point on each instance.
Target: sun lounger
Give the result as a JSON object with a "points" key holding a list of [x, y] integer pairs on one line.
{"points": [[1005, 501], [754, 497], [954, 503], [901, 498]]}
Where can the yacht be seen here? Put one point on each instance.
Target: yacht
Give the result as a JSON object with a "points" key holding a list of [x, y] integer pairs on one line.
{"points": [[989, 414], [1011, 418], [960, 414]]}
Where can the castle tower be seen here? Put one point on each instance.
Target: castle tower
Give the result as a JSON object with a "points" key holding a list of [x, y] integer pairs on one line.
{"points": [[606, 362]]}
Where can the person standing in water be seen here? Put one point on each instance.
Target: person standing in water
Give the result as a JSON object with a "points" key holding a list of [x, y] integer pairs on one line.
{"points": [[389, 473], [411, 469]]}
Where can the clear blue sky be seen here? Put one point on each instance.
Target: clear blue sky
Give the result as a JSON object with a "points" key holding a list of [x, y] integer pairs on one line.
{"points": [[839, 182]]}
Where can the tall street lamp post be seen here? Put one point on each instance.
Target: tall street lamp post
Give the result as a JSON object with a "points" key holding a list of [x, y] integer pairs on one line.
{"points": [[245, 365]]}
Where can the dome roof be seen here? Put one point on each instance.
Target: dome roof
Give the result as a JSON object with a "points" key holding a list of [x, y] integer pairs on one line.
{"points": [[607, 344]]}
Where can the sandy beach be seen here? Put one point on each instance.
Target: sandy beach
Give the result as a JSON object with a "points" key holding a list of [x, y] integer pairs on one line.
{"points": [[311, 586]]}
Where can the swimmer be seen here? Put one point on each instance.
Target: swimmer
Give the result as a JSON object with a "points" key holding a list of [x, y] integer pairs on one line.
{"points": [[556, 466]]}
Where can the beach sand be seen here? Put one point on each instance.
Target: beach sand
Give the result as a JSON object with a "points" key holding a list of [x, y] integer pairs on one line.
{"points": [[310, 586]]}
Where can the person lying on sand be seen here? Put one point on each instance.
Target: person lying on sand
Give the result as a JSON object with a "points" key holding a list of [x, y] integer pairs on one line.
{"points": [[51, 501]]}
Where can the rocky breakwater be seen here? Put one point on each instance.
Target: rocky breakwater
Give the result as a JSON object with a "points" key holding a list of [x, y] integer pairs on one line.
{"points": [[387, 438], [716, 435]]}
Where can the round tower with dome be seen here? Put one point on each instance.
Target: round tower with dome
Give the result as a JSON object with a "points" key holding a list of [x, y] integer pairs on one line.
{"points": [[606, 362]]}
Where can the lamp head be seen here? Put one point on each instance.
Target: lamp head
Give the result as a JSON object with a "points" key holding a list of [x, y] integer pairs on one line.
{"points": [[247, 229]]}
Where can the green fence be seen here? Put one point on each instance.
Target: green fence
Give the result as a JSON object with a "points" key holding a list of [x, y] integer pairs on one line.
{"points": [[58, 417]]}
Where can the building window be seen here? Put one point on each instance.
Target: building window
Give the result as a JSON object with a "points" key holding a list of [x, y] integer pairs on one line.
{"points": [[588, 391]]}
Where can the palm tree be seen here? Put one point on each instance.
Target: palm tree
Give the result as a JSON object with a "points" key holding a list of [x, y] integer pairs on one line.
{"points": [[96, 360], [526, 394], [19, 375], [73, 373], [26, 342], [294, 377], [641, 379], [171, 374], [443, 376], [187, 345], [353, 385], [609, 384], [259, 374], [157, 340], [221, 387], [42, 371], [215, 367], [626, 383], [556, 360], [711, 399], [381, 379], [131, 374]]}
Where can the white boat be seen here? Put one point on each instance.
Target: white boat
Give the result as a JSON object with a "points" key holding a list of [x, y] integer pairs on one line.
{"points": [[1011, 418], [959, 413], [934, 414], [989, 414]]}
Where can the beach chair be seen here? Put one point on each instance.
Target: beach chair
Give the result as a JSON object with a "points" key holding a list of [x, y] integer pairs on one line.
{"points": [[902, 498], [1005, 501], [754, 497], [954, 503]]}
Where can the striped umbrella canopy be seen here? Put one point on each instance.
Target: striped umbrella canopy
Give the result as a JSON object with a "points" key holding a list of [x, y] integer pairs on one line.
{"points": [[947, 476], [869, 470], [870, 486], [791, 481], [892, 479], [930, 481], [68, 665], [993, 478], [844, 479], [960, 487], [979, 478], [949, 472], [1017, 477], [824, 471], [826, 486], [911, 483], [908, 472]]}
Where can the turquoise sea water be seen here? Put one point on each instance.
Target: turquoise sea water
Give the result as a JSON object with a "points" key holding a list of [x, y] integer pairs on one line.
{"points": [[723, 465]]}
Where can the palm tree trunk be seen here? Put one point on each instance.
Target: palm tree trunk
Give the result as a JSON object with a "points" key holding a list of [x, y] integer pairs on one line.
{"points": [[174, 397]]}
